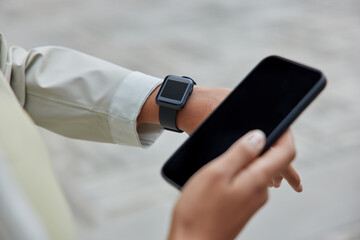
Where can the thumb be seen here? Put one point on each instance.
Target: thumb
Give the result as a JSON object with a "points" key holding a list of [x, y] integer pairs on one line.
{"points": [[243, 151]]}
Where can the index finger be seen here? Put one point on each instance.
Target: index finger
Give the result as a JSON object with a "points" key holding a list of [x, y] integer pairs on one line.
{"points": [[293, 178]]}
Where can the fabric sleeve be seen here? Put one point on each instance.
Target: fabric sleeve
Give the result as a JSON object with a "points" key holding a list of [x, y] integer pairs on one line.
{"points": [[80, 96]]}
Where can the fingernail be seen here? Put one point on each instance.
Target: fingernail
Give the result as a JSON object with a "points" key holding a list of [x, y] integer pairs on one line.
{"points": [[300, 188], [257, 138]]}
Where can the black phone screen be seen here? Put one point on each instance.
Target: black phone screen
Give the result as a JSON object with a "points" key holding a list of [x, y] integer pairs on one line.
{"points": [[261, 101]]}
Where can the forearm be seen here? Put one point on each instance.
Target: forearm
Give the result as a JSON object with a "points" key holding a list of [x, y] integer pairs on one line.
{"points": [[78, 95]]}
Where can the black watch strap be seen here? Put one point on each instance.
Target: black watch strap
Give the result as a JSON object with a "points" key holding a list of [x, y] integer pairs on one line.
{"points": [[167, 117]]}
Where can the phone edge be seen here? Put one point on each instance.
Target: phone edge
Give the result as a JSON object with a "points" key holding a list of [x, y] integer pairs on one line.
{"points": [[295, 113]]}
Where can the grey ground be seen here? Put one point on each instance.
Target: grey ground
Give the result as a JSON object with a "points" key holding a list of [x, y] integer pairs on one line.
{"points": [[117, 193]]}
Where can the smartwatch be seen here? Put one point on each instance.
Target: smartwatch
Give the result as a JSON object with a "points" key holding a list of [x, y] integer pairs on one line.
{"points": [[172, 96]]}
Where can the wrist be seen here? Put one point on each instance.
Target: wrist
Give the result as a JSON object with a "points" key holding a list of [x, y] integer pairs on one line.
{"points": [[200, 105], [171, 98], [186, 115], [150, 110]]}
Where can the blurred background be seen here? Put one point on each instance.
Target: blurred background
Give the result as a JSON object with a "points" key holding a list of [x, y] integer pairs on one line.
{"points": [[117, 192]]}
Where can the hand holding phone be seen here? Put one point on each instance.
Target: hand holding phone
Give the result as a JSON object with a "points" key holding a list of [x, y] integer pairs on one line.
{"points": [[221, 197], [269, 98]]}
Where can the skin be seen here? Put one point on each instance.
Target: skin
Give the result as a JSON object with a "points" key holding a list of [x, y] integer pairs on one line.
{"points": [[200, 104], [222, 196]]}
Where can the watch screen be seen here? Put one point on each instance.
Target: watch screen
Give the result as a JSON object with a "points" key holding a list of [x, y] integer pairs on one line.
{"points": [[174, 90]]}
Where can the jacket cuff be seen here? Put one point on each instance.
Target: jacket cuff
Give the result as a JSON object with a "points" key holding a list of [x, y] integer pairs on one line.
{"points": [[125, 108]]}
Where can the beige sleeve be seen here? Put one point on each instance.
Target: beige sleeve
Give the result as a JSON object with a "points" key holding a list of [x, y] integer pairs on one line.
{"points": [[79, 96]]}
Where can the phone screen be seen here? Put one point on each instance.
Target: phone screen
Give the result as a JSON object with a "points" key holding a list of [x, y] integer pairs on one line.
{"points": [[261, 101]]}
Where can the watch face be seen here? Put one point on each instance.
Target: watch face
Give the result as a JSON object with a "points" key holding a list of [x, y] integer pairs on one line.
{"points": [[174, 92]]}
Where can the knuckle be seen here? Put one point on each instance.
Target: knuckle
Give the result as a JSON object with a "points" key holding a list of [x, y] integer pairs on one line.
{"points": [[265, 174], [260, 180], [263, 197], [293, 153], [215, 173]]}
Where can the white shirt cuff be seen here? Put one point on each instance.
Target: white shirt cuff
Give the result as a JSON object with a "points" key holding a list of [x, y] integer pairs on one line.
{"points": [[125, 108]]}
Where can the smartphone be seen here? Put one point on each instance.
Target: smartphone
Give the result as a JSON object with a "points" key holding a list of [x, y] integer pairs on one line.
{"points": [[270, 98]]}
